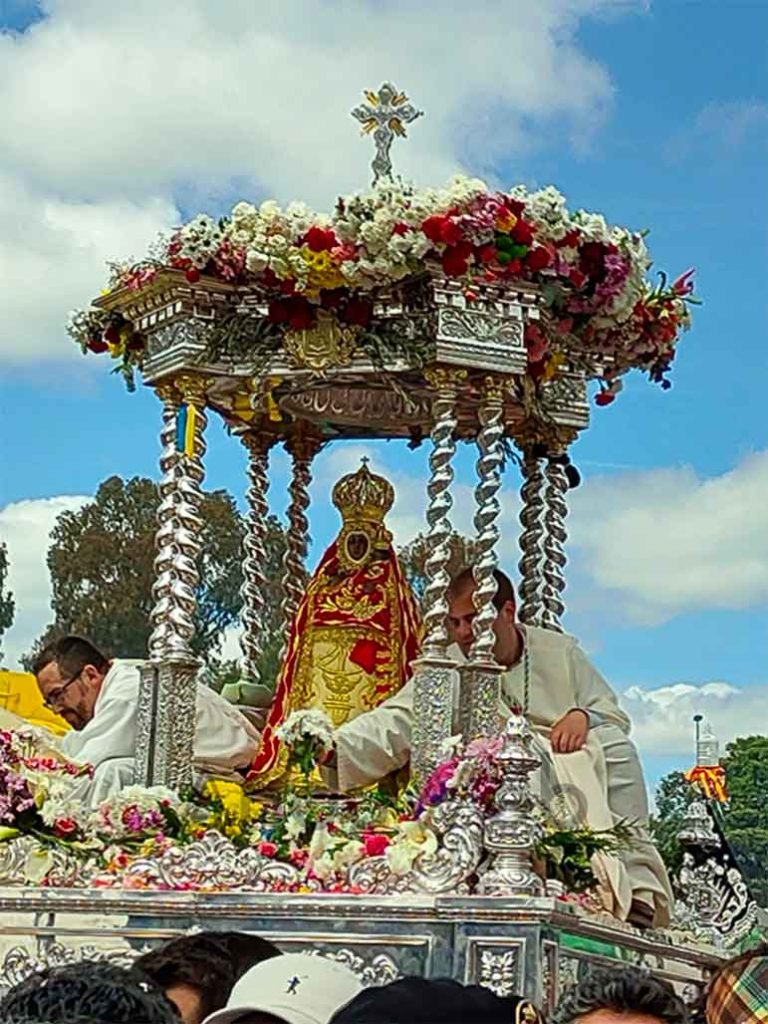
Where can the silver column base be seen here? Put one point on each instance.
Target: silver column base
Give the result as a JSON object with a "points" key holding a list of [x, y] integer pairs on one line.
{"points": [[166, 722], [480, 699], [433, 701]]}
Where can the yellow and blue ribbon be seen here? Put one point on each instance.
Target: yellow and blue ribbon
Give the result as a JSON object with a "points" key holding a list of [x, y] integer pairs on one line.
{"points": [[185, 429]]}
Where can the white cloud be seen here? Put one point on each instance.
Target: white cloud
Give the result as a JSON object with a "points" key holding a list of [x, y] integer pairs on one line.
{"points": [[662, 718], [25, 526], [52, 256], [149, 105], [664, 542]]}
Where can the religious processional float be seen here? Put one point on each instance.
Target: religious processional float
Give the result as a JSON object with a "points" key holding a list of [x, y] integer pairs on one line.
{"points": [[435, 316]]}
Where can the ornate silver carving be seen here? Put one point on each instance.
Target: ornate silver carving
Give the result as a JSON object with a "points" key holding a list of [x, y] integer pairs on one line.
{"points": [[19, 962], [381, 969], [254, 580], [530, 540], [433, 685], [511, 833], [500, 971], [714, 902], [385, 115], [302, 449], [166, 518], [357, 405], [213, 863], [556, 510], [456, 324], [459, 827]]}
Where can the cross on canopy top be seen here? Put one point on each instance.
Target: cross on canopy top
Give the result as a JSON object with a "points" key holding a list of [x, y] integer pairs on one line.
{"points": [[386, 114]]}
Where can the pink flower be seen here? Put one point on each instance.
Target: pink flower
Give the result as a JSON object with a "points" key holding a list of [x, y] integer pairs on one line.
{"points": [[375, 844], [267, 849]]}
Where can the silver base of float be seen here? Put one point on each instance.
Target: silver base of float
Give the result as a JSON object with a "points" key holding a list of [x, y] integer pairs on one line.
{"points": [[531, 945]]}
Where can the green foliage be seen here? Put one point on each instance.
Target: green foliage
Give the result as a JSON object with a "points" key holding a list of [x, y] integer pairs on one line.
{"points": [[744, 820], [7, 604], [101, 562], [568, 853], [413, 559]]}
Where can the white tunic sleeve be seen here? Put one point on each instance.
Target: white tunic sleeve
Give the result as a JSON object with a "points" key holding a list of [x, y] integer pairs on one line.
{"points": [[109, 734], [376, 743], [593, 694], [224, 739]]}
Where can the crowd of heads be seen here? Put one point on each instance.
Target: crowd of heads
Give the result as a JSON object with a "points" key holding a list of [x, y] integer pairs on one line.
{"points": [[240, 978]]}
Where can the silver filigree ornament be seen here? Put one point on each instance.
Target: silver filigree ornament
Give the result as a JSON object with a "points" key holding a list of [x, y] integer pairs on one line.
{"points": [[511, 834], [377, 970], [213, 862], [385, 115], [459, 828], [499, 971]]}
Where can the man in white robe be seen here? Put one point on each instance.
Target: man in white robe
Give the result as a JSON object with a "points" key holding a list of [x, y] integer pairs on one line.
{"points": [[582, 734], [99, 698]]}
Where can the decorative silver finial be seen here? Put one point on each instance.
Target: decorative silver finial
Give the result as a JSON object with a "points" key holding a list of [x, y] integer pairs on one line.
{"points": [[386, 114]]}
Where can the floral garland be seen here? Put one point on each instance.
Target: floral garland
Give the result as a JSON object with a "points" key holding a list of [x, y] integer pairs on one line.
{"points": [[322, 840], [602, 312]]}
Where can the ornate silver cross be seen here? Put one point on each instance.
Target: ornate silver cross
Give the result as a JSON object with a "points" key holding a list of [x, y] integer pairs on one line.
{"points": [[386, 114]]}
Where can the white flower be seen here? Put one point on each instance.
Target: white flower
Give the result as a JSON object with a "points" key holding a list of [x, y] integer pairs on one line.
{"points": [[320, 844], [350, 853], [309, 723], [323, 867], [413, 840], [37, 865], [295, 824]]}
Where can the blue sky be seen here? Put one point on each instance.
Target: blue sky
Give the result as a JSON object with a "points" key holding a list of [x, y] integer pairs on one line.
{"points": [[656, 115]]}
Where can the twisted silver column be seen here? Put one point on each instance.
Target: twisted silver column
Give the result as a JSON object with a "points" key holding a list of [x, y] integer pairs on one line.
{"points": [[531, 537], [555, 535], [440, 501], [189, 495], [255, 555], [302, 451], [433, 671], [479, 677], [166, 517], [487, 514]]}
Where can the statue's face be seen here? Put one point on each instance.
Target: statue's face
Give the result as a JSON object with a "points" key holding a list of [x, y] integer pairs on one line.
{"points": [[357, 547]]}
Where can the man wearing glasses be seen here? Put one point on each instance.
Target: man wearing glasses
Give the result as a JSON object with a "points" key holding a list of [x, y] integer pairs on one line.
{"points": [[99, 699]]}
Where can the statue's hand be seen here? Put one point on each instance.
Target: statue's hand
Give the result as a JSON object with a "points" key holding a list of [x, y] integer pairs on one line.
{"points": [[570, 732]]}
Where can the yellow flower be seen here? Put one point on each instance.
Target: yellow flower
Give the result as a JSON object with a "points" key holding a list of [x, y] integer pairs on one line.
{"points": [[506, 221], [553, 365]]}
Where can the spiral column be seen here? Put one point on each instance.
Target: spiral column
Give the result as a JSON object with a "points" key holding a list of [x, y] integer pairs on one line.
{"points": [[433, 672], [480, 676], [166, 518], [255, 555], [555, 535], [303, 449], [531, 606], [168, 693]]}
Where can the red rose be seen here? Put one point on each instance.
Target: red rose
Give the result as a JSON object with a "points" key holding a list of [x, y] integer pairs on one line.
{"points": [[571, 240], [375, 844], [538, 258], [358, 312], [604, 398], [451, 232], [111, 334], [320, 239], [288, 287], [192, 275], [298, 858], [65, 827], [433, 228], [522, 233], [515, 205], [514, 267], [456, 260], [301, 315], [577, 279], [592, 260], [96, 344], [267, 849], [487, 253], [401, 229]]}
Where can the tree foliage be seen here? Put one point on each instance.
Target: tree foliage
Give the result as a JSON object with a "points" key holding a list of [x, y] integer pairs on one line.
{"points": [[101, 562], [7, 604], [744, 819], [413, 559]]}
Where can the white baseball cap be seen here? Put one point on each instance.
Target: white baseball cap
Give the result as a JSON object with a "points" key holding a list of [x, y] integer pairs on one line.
{"points": [[297, 988]]}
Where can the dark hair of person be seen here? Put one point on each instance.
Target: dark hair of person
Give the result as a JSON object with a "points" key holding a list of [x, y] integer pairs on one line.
{"points": [[88, 990], [622, 990], [465, 581], [434, 1001], [209, 962], [71, 654]]}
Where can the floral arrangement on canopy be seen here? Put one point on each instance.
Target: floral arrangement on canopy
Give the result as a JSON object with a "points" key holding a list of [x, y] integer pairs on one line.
{"points": [[602, 312], [117, 843]]}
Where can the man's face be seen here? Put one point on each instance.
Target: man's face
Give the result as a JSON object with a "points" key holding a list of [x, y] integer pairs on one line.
{"points": [[73, 697], [187, 1001], [461, 617]]}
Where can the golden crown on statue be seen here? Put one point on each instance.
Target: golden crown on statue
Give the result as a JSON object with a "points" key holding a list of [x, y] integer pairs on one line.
{"points": [[363, 496]]}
